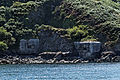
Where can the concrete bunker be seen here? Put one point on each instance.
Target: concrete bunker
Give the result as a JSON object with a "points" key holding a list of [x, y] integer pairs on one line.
{"points": [[87, 49], [84, 49], [29, 46]]}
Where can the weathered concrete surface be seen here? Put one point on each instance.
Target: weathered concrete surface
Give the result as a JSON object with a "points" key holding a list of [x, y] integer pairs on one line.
{"points": [[87, 49], [29, 46]]}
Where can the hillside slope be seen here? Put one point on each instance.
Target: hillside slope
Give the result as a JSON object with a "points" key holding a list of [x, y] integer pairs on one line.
{"points": [[22, 18]]}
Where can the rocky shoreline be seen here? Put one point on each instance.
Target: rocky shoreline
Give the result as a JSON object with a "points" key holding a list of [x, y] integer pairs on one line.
{"points": [[57, 58]]}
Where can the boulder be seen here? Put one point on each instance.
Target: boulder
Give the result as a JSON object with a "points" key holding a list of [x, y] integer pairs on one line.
{"points": [[111, 53], [107, 56], [4, 61], [116, 59]]}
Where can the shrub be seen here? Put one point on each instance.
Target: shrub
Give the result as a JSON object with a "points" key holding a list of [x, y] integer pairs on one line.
{"points": [[3, 46], [89, 38], [81, 33], [4, 35], [78, 32]]}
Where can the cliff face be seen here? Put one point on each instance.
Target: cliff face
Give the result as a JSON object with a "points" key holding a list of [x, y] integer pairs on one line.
{"points": [[54, 40]]}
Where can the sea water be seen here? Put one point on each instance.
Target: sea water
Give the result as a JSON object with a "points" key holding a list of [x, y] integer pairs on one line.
{"points": [[85, 71]]}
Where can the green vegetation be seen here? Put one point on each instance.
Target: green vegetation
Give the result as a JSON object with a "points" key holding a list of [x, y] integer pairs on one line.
{"points": [[3, 46], [81, 33], [81, 20], [6, 37]]}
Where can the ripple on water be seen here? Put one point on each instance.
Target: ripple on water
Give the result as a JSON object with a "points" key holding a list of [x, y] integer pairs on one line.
{"points": [[89, 71]]}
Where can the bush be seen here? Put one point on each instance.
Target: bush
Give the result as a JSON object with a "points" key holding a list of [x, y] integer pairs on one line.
{"points": [[89, 38], [78, 32], [6, 36], [81, 33], [3, 46]]}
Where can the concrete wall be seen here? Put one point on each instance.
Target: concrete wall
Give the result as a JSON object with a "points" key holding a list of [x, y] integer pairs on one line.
{"points": [[87, 49], [50, 41], [29, 46]]}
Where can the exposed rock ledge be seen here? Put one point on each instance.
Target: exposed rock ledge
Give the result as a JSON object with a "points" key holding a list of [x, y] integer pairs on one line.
{"points": [[57, 58]]}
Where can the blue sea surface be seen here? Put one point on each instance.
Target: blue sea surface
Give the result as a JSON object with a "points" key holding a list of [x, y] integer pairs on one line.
{"points": [[85, 71]]}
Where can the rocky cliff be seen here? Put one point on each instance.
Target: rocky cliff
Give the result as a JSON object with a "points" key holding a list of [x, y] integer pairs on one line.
{"points": [[54, 40]]}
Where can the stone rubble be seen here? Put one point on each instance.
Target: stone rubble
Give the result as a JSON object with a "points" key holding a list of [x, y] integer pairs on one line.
{"points": [[58, 58]]}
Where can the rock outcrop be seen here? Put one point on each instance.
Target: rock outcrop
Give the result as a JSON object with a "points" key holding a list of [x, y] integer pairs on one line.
{"points": [[56, 58], [107, 56], [42, 58], [54, 40]]}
